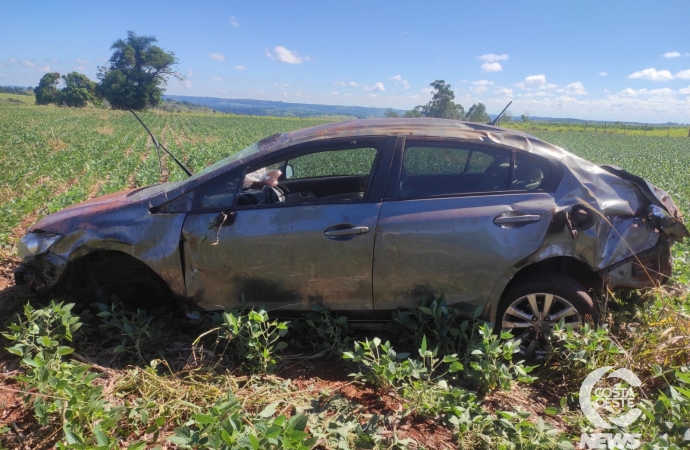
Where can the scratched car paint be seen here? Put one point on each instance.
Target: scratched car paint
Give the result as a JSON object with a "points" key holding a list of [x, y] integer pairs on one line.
{"points": [[370, 216]]}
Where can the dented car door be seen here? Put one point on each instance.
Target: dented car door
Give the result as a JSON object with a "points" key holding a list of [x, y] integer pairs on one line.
{"points": [[437, 235]]}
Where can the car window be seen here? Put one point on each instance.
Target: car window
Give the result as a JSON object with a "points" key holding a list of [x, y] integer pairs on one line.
{"points": [[479, 162], [528, 173], [354, 161], [429, 160], [219, 193], [432, 170]]}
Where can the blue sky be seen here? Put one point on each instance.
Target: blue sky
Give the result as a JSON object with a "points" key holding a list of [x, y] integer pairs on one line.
{"points": [[626, 60]]}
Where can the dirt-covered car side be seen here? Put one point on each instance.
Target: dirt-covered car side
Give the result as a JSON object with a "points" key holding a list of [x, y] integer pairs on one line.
{"points": [[368, 216]]}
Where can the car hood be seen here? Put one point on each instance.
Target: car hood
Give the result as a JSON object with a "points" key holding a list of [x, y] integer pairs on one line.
{"points": [[55, 223]]}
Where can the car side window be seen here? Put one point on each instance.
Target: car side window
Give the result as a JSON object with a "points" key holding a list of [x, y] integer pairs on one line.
{"points": [[348, 162], [430, 160], [219, 193], [529, 174], [443, 169]]}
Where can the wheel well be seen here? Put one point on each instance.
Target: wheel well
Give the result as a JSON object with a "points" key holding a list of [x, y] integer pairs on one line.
{"points": [[568, 266], [131, 277]]}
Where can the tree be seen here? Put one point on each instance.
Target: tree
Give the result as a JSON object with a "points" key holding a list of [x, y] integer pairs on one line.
{"points": [[47, 91], [78, 90], [477, 113], [525, 116], [442, 104], [416, 112], [135, 73], [391, 114], [507, 116]]}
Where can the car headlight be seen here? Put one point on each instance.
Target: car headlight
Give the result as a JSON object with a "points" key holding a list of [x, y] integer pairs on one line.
{"points": [[36, 243]]}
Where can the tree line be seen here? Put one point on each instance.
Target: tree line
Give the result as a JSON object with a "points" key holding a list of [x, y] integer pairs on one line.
{"points": [[442, 105], [134, 77]]}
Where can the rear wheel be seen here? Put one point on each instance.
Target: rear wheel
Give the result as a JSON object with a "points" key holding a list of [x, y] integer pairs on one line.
{"points": [[530, 309]]}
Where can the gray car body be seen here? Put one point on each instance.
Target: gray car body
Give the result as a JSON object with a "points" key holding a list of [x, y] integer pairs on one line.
{"points": [[441, 246]]}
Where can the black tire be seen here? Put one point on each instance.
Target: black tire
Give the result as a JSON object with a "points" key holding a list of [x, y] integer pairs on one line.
{"points": [[569, 301]]}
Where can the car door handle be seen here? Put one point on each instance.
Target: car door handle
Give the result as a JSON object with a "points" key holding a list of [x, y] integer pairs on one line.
{"points": [[345, 231], [516, 218]]}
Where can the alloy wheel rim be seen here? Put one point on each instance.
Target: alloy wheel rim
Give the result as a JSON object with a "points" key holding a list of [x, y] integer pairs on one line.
{"points": [[531, 318]]}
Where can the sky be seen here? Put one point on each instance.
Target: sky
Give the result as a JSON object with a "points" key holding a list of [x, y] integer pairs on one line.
{"points": [[599, 60]]}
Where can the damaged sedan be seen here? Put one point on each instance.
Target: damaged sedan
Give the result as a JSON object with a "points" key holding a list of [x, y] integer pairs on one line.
{"points": [[369, 216]]}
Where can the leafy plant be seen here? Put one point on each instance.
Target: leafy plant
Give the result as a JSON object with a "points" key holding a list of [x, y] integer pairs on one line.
{"points": [[383, 366], [253, 337], [132, 328], [227, 426], [321, 331]]}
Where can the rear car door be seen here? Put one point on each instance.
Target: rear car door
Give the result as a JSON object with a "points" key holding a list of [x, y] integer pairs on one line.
{"points": [[456, 218], [314, 246]]}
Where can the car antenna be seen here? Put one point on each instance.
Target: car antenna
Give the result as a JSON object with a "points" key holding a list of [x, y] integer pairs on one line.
{"points": [[493, 122], [155, 141]]}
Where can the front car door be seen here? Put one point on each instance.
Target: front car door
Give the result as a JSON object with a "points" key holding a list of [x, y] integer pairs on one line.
{"points": [[313, 246], [457, 217]]}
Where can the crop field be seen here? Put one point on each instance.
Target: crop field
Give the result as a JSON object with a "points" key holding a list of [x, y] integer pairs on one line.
{"points": [[108, 377]]}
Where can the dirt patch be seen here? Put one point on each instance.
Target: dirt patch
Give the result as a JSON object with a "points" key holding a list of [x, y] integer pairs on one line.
{"points": [[106, 130]]}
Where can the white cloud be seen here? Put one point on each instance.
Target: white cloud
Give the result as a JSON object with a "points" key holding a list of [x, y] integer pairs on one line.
{"points": [[234, 22], [399, 80], [240, 68], [684, 91], [491, 67], [683, 74], [576, 88], [376, 87], [491, 57], [481, 86], [340, 83], [671, 55], [652, 74], [282, 85], [603, 74], [79, 68], [189, 73], [535, 82], [353, 84], [628, 92], [217, 79], [428, 90], [80, 61], [186, 83], [632, 93], [282, 54], [217, 56], [504, 91], [490, 62], [33, 65]]}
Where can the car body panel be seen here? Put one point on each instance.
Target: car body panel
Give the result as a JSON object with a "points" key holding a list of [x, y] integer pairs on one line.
{"points": [[279, 258], [452, 247]]}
